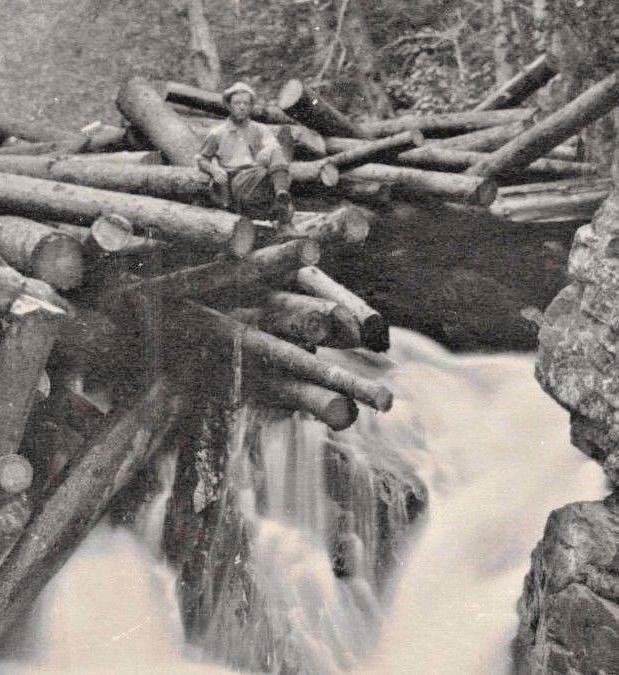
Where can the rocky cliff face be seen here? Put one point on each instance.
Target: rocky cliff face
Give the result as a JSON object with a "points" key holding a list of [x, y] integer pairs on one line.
{"points": [[569, 611]]}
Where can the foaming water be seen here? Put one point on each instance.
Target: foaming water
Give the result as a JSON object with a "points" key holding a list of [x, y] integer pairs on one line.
{"points": [[494, 452]]}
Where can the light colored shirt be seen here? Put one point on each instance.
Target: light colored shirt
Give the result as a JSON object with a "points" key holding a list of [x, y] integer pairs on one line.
{"points": [[237, 147]]}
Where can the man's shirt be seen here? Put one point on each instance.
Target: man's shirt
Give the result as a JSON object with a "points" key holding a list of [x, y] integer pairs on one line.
{"points": [[236, 147]]}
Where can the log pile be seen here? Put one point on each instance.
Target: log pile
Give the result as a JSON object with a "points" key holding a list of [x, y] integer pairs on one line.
{"points": [[118, 275]]}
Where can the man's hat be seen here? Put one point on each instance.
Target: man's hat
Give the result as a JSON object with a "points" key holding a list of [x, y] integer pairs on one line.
{"points": [[237, 88]]}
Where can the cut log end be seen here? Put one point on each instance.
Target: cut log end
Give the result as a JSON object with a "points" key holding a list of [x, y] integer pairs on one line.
{"points": [[290, 94], [15, 473], [243, 238], [486, 193], [329, 175], [58, 260], [309, 252], [375, 333], [340, 413], [417, 137], [112, 232]]}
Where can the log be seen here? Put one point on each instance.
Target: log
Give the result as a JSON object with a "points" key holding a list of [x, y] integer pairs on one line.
{"points": [[44, 147], [35, 132], [81, 499], [513, 92], [121, 244], [303, 326], [140, 103], [420, 183], [305, 105], [104, 137], [448, 124], [42, 252], [314, 172], [15, 473], [446, 159], [124, 157], [560, 187], [344, 330], [32, 327], [14, 284], [337, 411], [204, 54], [347, 224], [484, 140], [373, 328], [220, 330], [169, 220], [213, 102], [167, 182], [211, 279], [592, 104]]}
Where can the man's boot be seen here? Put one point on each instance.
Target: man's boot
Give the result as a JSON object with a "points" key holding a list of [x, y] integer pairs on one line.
{"points": [[283, 200]]}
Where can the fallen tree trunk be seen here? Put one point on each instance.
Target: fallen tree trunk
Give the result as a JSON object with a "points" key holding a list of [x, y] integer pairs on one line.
{"points": [[374, 329], [81, 499], [446, 159], [82, 205], [344, 331], [140, 103], [44, 147], [420, 183], [123, 156], [177, 183], [533, 76], [553, 130], [347, 224], [559, 187], [42, 252], [35, 132], [32, 327], [204, 54], [306, 106], [368, 192], [213, 102], [448, 124], [213, 278], [220, 330], [337, 411], [484, 140]]}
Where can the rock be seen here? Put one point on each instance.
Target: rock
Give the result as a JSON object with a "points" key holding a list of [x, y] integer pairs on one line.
{"points": [[569, 611]]}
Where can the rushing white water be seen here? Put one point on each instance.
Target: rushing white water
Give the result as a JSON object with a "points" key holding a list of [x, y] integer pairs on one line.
{"points": [[494, 452]]}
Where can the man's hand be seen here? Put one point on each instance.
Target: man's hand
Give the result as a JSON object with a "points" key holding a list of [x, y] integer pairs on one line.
{"points": [[214, 170]]}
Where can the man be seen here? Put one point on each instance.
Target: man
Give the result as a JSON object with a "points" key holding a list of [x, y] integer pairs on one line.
{"points": [[248, 166]]}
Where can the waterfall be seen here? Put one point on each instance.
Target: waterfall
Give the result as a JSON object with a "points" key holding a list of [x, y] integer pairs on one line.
{"points": [[494, 453]]}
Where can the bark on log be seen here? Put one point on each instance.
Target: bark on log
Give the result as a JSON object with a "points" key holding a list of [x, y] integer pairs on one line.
{"points": [[345, 225], [446, 159], [82, 205], [420, 183], [32, 328], [337, 411], [204, 54], [140, 103], [277, 353], [533, 76], [559, 187], [42, 252], [148, 157], [213, 278], [213, 103], [80, 500], [177, 183], [553, 130], [306, 106], [483, 140], [344, 332], [448, 124], [373, 328]]}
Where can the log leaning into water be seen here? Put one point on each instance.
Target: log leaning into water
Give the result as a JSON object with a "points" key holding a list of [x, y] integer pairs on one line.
{"points": [[140, 103], [81, 499], [82, 205], [335, 410], [553, 130], [448, 124], [303, 104], [533, 76], [42, 252], [420, 183], [374, 329], [32, 327], [277, 353]]}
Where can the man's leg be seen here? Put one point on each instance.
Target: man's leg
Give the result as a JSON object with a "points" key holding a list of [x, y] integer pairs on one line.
{"points": [[276, 162]]}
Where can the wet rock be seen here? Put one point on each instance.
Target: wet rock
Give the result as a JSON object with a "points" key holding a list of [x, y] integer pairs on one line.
{"points": [[569, 611]]}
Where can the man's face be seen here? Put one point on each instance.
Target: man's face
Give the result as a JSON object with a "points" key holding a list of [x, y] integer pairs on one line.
{"points": [[240, 106]]}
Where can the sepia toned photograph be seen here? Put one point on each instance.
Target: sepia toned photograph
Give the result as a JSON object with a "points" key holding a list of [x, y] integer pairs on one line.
{"points": [[309, 337]]}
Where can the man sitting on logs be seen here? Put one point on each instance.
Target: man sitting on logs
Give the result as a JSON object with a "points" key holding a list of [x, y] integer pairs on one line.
{"points": [[249, 168]]}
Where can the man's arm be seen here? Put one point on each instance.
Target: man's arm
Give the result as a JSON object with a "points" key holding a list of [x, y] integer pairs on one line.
{"points": [[208, 161]]}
